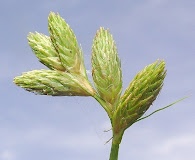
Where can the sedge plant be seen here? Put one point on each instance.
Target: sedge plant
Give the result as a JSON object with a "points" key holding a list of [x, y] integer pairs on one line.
{"points": [[67, 76]]}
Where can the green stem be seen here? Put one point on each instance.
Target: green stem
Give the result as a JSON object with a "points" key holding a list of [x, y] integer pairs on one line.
{"points": [[103, 104], [114, 151], [115, 145]]}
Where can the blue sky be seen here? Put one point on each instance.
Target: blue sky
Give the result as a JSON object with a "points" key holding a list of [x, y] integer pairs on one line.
{"points": [[71, 128]]}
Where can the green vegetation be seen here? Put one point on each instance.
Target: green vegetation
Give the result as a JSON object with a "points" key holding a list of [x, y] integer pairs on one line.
{"points": [[66, 76]]}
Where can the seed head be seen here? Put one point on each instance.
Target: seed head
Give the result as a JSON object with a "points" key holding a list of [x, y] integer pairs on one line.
{"points": [[45, 51], [106, 67], [66, 45], [139, 96], [55, 83]]}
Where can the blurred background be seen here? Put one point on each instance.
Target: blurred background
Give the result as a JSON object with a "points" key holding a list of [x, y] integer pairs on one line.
{"points": [[72, 128]]}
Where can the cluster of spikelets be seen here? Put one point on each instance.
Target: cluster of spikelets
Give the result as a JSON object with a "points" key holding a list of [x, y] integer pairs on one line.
{"points": [[61, 53]]}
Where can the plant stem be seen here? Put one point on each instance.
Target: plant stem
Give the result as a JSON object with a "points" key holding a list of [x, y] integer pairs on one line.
{"points": [[103, 104], [115, 145], [114, 151]]}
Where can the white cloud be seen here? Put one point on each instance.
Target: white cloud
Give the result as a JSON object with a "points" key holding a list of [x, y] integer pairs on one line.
{"points": [[149, 143], [6, 155], [32, 140], [178, 143], [52, 138]]}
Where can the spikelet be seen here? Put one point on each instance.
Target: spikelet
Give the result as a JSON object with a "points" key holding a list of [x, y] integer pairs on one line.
{"points": [[45, 51], [106, 68], [139, 95], [65, 43], [55, 83]]}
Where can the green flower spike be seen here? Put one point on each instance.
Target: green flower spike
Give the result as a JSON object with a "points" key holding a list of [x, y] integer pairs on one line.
{"points": [[141, 92], [45, 51], [60, 53], [139, 96], [106, 69], [66, 45], [55, 83], [67, 76]]}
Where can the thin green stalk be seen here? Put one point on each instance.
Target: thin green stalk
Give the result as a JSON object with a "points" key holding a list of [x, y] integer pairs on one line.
{"points": [[116, 140], [103, 104], [114, 151]]}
